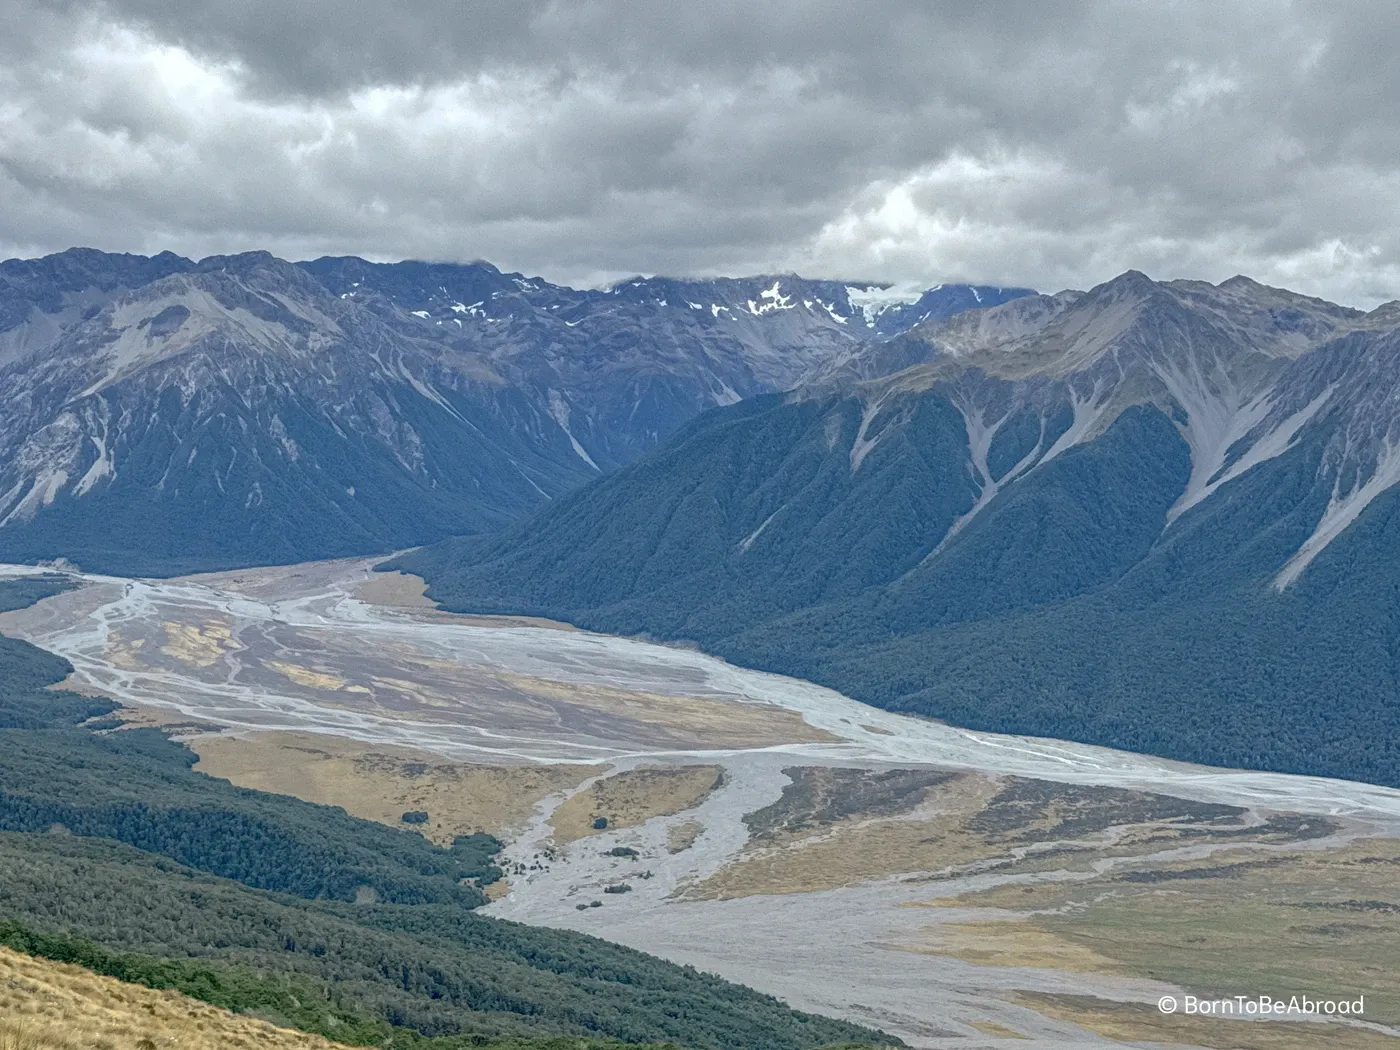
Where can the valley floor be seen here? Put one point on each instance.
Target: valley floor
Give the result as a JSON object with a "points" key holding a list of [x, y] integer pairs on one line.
{"points": [[957, 889]]}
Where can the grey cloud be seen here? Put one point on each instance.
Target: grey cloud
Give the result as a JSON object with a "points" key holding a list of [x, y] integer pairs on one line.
{"points": [[1043, 144]]}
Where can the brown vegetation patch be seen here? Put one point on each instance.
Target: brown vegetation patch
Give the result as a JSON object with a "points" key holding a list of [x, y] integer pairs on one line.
{"points": [[54, 1006], [687, 720], [830, 831], [1009, 942], [496, 890], [74, 684], [198, 645], [395, 590], [1244, 921], [633, 797], [820, 796], [997, 1029], [1144, 1023], [382, 783], [176, 723], [680, 837], [840, 827], [402, 590], [1028, 810]]}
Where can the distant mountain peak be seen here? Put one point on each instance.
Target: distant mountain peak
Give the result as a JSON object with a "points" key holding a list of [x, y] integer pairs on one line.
{"points": [[242, 408]]}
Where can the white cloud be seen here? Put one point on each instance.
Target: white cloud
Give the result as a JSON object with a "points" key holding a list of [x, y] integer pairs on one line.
{"points": [[911, 142]]}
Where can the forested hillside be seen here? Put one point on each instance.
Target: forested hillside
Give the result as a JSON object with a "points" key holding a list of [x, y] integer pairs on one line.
{"points": [[1164, 535], [165, 416], [436, 970]]}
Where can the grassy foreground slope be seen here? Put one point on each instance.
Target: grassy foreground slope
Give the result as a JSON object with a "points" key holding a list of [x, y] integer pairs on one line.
{"points": [[46, 1005], [302, 912]]}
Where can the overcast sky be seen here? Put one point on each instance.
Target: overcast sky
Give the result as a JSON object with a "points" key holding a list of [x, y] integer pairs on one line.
{"points": [[1043, 144]]}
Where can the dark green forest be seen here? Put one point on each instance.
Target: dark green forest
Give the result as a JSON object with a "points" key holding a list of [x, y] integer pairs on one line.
{"points": [[23, 591], [291, 1001], [117, 855], [1067, 608], [435, 970]]}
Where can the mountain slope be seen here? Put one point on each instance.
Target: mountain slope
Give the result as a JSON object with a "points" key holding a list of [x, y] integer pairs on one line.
{"points": [[164, 416], [238, 412], [63, 1005], [1149, 516]]}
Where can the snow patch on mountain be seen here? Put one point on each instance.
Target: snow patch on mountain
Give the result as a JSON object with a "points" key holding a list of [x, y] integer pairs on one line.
{"points": [[873, 299], [771, 299]]}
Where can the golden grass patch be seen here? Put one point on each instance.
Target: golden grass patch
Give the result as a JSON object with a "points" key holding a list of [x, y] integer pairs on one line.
{"points": [[633, 797], [395, 590], [1241, 921], [198, 645], [713, 721], [496, 890], [680, 837], [1144, 1023], [838, 827], [929, 836], [382, 782], [308, 677], [46, 1005], [74, 684], [123, 654], [402, 590], [1009, 942], [997, 1029]]}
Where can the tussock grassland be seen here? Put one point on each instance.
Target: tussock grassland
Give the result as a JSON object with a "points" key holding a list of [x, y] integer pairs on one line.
{"points": [[680, 837], [688, 722], [395, 590], [1143, 1024], [633, 797], [401, 590], [381, 783], [198, 645], [1325, 923], [53, 1006], [842, 827], [836, 827]]}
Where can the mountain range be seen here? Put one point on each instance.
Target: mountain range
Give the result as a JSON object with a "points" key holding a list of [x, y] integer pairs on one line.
{"points": [[1155, 516], [161, 415]]}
